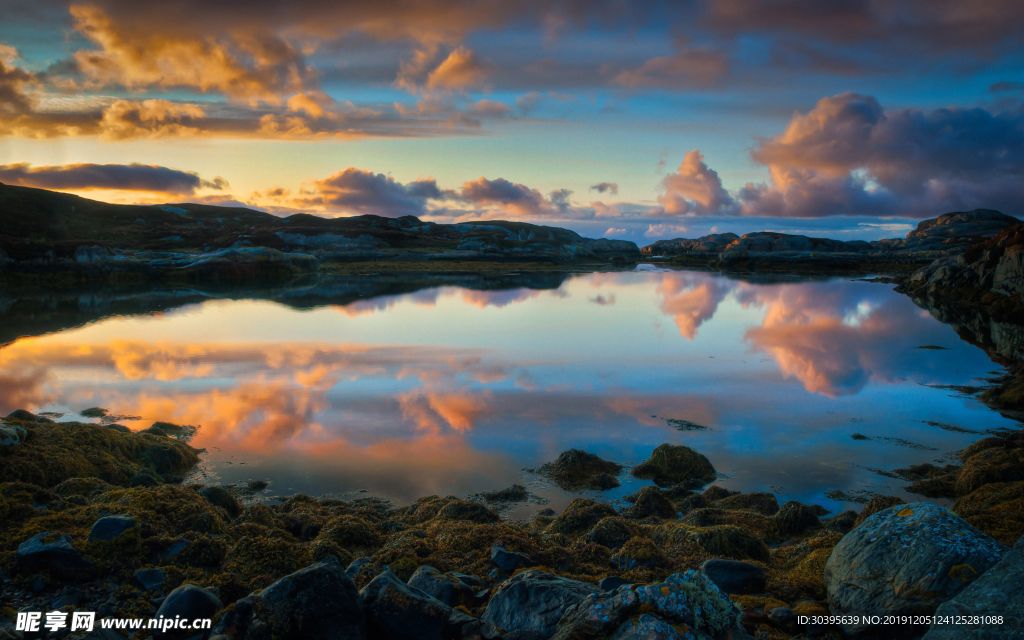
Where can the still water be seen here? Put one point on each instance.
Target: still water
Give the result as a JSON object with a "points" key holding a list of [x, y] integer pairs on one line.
{"points": [[436, 388]]}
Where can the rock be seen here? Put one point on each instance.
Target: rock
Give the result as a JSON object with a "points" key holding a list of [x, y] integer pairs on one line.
{"points": [[220, 497], [357, 566], [319, 601], [639, 552], [842, 522], [783, 617], [763, 503], [187, 601], [25, 416], [704, 245], [794, 518], [685, 600], [675, 464], [143, 479], [534, 601], [649, 502], [611, 583], [11, 435], [735, 577], [576, 469], [996, 593], [110, 527], [611, 532], [150, 579], [507, 560], [396, 611], [52, 551], [876, 504], [648, 627], [580, 515], [905, 560], [444, 587]]}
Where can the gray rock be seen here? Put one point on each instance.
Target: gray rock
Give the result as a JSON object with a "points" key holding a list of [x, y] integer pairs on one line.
{"points": [[648, 627], [905, 560], [733, 576], [150, 579], [187, 601], [688, 600], [11, 435], [534, 601], [611, 583], [444, 587], [996, 593], [357, 566], [111, 527], [319, 601], [783, 617], [396, 611], [52, 551], [508, 560]]}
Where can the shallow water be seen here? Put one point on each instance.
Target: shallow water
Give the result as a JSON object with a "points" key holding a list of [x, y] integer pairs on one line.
{"points": [[443, 389]]}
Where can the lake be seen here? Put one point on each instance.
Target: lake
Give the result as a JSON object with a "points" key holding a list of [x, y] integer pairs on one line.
{"points": [[402, 387]]}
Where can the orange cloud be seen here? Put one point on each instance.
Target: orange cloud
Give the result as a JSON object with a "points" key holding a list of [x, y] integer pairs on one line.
{"points": [[690, 303], [462, 69]]}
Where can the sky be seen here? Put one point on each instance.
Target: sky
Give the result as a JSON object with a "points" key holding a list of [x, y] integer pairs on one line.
{"points": [[632, 120]]}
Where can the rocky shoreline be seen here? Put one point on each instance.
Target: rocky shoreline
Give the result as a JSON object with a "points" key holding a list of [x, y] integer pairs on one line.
{"points": [[98, 518]]}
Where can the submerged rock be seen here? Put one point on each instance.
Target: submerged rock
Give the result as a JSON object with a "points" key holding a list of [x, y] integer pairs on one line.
{"points": [[676, 464], [905, 560], [396, 611], [576, 469], [534, 601], [996, 594], [52, 551]]}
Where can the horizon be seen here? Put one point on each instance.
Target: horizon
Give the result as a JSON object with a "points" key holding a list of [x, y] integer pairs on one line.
{"points": [[637, 122]]}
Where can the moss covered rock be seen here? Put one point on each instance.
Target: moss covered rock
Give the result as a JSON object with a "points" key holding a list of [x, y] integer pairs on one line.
{"points": [[676, 464], [575, 470]]}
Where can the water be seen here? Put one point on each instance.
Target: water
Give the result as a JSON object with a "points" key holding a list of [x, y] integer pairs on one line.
{"points": [[408, 387]]}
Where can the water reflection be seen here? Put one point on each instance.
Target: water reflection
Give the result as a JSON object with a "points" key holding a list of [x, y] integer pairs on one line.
{"points": [[404, 388]]}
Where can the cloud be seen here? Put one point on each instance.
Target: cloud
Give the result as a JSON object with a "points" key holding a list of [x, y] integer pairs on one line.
{"points": [[507, 195], [123, 177], [614, 231], [610, 187], [246, 66], [694, 188], [462, 69], [848, 155], [664, 229], [358, 191], [687, 69], [13, 82]]}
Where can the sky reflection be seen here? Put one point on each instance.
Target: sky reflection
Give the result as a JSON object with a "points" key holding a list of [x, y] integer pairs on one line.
{"points": [[451, 390]]}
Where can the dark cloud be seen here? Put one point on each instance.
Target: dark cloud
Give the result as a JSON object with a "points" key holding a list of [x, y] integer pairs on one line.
{"points": [[13, 81], [358, 191], [602, 187], [123, 177], [502, 192], [686, 69]]}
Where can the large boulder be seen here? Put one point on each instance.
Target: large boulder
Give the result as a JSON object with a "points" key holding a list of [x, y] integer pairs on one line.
{"points": [[11, 435], [685, 601], [905, 560], [672, 464], [319, 601], [534, 601], [445, 587], [396, 611], [188, 602], [993, 604], [52, 551]]}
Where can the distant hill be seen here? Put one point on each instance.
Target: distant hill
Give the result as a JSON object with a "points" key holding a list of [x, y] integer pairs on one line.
{"points": [[41, 224]]}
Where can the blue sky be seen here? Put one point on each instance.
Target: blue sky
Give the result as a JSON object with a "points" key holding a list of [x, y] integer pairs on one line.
{"points": [[849, 119]]}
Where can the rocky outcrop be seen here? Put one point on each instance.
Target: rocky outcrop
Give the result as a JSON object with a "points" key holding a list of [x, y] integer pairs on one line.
{"points": [[905, 560], [575, 470], [702, 246], [396, 611], [534, 601], [672, 464], [992, 607], [950, 232], [685, 605], [445, 587]]}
